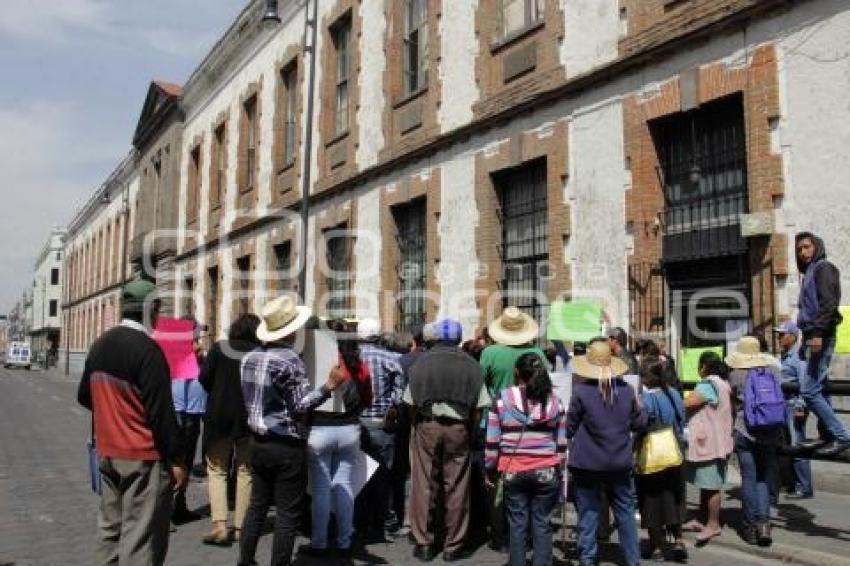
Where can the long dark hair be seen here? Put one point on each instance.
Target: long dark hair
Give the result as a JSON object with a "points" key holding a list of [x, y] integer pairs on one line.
{"points": [[244, 328], [653, 371], [349, 350], [713, 365], [530, 370]]}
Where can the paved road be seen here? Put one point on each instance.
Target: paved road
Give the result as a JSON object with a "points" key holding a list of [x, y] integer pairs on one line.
{"points": [[47, 513]]}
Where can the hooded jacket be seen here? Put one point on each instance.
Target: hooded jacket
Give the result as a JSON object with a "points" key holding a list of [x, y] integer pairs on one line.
{"points": [[524, 435], [820, 292]]}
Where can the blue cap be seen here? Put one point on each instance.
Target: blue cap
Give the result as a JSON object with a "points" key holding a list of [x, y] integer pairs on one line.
{"points": [[787, 327], [447, 330]]}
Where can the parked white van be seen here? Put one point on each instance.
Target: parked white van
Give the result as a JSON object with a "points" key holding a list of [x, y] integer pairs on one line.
{"points": [[18, 354]]}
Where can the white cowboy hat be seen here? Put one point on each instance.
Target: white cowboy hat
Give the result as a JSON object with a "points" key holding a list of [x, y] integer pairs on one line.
{"points": [[748, 355], [281, 317], [513, 328], [598, 363]]}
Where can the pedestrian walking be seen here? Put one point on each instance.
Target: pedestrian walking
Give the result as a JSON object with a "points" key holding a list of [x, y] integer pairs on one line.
{"points": [[604, 411], [513, 333], [380, 420], [760, 416], [818, 318], [446, 392], [333, 452], [126, 384], [793, 368], [526, 444], [661, 495], [226, 435], [709, 409], [277, 396]]}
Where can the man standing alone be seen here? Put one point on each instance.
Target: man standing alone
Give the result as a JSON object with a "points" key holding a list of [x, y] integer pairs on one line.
{"points": [[127, 385]]}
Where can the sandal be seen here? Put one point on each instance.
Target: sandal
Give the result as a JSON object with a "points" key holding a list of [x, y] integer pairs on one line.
{"points": [[693, 526], [705, 535]]}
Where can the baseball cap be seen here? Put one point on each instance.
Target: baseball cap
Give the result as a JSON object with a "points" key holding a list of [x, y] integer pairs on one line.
{"points": [[787, 327], [447, 330]]}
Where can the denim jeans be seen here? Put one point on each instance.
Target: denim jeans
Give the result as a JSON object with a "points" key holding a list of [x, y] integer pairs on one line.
{"points": [[279, 477], [373, 503], [331, 454], [533, 494], [620, 490], [755, 461], [812, 384], [802, 466]]}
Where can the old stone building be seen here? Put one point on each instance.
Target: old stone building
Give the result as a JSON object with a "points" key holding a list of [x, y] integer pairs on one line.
{"points": [[45, 329], [654, 155]]}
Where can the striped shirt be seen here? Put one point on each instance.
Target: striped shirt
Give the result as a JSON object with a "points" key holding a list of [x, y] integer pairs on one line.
{"points": [[277, 393], [388, 381], [524, 435]]}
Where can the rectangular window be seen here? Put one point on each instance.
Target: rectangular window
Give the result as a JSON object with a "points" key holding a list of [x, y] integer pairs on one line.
{"points": [[250, 108], [54, 307], [289, 76], [54, 276], [218, 149], [525, 239], [410, 221], [339, 246], [212, 301], [517, 15], [189, 302], [58, 256], [194, 183], [415, 45], [342, 46], [243, 283], [283, 266]]}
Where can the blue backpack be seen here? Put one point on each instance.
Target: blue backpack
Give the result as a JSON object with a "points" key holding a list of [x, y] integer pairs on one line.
{"points": [[764, 403]]}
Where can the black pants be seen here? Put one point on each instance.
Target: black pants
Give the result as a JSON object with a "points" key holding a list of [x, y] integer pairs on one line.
{"points": [[279, 477], [190, 429]]}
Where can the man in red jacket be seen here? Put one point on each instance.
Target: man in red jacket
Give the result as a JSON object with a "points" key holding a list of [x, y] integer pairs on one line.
{"points": [[127, 387]]}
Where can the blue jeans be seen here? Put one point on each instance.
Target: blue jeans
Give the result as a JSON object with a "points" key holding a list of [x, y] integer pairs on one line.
{"points": [[755, 461], [533, 494], [332, 453], [620, 490], [802, 466], [812, 384]]}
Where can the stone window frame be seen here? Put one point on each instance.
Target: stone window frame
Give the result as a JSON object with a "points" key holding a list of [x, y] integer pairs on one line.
{"points": [[212, 302], [193, 184], [337, 153], [515, 67], [248, 162], [242, 280], [217, 174], [247, 196], [413, 188], [286, 175], [409, 118], [332, 218], [283, 234], [530, 22], [521, 149]]}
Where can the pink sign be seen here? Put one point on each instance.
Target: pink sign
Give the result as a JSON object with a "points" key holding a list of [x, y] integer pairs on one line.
{"points": [[176, 338]]}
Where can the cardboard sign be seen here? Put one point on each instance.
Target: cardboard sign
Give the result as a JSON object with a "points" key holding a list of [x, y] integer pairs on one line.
{"points": [[176, 337], [574, 321], [842, 333], [689, 362], [320, 354]]}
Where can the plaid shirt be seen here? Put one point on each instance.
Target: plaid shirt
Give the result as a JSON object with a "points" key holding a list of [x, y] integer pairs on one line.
{"points": [[388, 381], [277, 393]]}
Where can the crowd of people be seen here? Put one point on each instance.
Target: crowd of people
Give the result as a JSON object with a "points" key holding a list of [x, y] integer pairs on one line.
{"points": [[472, 442]]}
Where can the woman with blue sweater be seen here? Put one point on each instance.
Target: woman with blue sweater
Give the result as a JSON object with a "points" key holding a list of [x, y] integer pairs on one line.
{"points": [[661, 496], [603, 413]]}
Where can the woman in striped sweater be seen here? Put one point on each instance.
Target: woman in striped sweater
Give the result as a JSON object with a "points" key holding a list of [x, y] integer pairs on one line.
{"points": [[526, 443]]}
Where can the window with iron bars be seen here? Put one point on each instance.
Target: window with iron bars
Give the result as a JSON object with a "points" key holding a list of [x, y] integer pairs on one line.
{"points": [[283, 260], [342, 44], [339, 245], [410, 221], [525, 239], [289, 86], [415, 45], [243, 284]]}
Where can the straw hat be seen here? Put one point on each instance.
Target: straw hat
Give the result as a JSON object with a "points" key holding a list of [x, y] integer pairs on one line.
{"points": [[748, 355], [281, 317], [513, 328], [598, 363]]}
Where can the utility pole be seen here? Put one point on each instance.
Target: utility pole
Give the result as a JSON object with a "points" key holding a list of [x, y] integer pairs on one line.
{"points": [[311, 25]]}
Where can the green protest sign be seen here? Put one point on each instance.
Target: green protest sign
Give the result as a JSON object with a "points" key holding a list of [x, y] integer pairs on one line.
{"points": [[574, 321], [842, 333], [689, 362]]}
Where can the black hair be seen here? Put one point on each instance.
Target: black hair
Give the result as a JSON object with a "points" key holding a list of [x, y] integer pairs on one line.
{"points": [[619, 335], [579, 348], [350, 352], [647, 347], [244, 328], [530, 370], [713, 365], [137, 311], [653, 372]]}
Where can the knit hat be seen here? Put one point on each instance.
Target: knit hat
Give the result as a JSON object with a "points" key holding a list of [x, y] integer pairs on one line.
{"points": [[447, 330], [134, 294]]}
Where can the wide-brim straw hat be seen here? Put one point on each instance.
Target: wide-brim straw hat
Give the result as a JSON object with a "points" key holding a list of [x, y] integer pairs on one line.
{"points": [[748, 355], [513, 328], [281, 317], [599, 363]]}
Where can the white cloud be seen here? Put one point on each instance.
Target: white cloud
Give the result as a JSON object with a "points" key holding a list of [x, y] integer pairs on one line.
{"points": [[52, 21]]}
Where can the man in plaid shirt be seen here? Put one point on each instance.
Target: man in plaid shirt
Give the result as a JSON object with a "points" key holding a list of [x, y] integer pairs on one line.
{"points": [[277, 394], [388, 383]]}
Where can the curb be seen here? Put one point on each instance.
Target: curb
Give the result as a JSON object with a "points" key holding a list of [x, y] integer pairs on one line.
{"points": [[779, 551]]}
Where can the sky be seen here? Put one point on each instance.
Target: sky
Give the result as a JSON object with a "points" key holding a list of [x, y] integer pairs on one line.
{"points": [[74, 77]]}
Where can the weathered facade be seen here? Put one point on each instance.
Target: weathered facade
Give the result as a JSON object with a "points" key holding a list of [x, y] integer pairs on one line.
{"points": [[46, 296]]}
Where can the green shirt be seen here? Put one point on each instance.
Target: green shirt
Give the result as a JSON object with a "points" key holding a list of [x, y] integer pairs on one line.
{"points": [[498, 362]]}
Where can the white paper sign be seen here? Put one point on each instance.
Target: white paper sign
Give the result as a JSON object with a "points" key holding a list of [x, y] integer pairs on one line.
{"points": [[562, 385], [320, 355]]}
